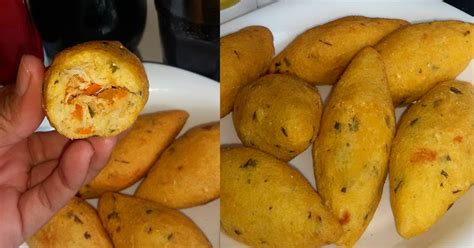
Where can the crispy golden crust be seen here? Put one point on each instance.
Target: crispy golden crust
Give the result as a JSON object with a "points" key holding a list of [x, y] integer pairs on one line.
{"points": [[320, 54], [418, 56], [431, 163], [187, 174], [112, 68], [133, 222], [266, 203], [150, 136], [75, 225], [244, 56], [278, 114], [352, 150]]}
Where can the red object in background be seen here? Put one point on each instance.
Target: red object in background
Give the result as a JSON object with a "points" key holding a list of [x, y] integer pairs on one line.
{"points": [[18, 36]]}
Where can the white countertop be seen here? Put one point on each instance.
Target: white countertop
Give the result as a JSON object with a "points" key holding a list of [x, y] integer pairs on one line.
{"points": [[150, 44]]}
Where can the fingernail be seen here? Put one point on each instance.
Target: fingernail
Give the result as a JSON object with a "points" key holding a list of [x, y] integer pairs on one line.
{"points": [[23, 78]]}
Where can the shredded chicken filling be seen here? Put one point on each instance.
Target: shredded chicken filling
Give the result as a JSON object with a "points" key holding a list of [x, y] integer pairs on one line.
{"points": [[90, 98]]}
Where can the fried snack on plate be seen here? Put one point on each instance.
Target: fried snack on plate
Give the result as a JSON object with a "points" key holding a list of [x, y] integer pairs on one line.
{"points": [[75, 225], [267, 203], [134, 222], [431, 164], [187, 173], [244, 56], [96, 88], [352, 150], [135, 154], [320, 54], [418, 56], [278, 114]]}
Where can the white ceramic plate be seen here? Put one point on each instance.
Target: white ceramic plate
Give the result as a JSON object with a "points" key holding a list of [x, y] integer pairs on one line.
{"points": [[173, 88], [286, 19]]}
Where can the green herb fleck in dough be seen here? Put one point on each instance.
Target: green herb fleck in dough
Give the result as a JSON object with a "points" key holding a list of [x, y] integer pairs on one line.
{"points": [[343, 189], [337, 126], [455, 90], [122, 161], [413, 121], [444, 173], [436, 103], [450, 205], [113, 67], [170, 236], [325, 42], [77, 220], [91, 111], [447, 158], [283, 130], [112, 215], [250, 163], [398, 186], [354, 124], [237, 54], [56, 81]]}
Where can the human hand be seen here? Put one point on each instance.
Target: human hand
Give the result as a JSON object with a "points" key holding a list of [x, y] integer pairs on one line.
{"points": [[39, 172]]}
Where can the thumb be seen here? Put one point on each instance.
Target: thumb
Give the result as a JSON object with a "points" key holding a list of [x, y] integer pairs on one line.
{"points": [[20, 104]]}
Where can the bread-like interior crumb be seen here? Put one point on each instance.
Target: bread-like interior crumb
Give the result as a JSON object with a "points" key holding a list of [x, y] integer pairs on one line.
{"points": [[91, 101]]}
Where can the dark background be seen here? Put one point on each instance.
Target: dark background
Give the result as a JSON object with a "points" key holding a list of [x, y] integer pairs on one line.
{"points": [[464, 5]]}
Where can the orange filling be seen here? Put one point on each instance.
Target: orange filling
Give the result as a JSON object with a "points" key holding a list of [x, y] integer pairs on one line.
{"points": [[77, 114], [112, 93], [84, 130], [92, 89]]}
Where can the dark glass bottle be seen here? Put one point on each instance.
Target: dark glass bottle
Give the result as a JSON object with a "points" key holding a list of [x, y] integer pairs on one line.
{"points": [[63, 23], [189, 31]]}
